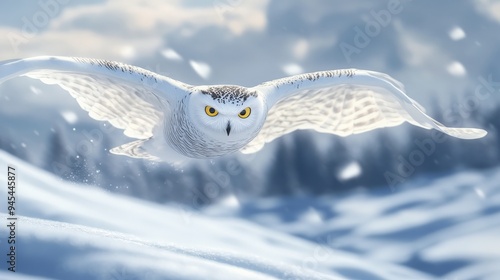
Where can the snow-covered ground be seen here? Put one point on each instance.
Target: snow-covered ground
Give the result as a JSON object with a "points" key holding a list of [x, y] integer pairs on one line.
{"points": [[67, 231], [444, 228], [448, 227]]}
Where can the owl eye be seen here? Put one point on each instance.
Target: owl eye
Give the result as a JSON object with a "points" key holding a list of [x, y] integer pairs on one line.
{"points": [[245, 113], [211, 111]]}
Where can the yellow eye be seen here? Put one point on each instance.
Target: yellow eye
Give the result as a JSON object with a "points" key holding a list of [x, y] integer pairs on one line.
{"points": [[211, 111], [245, 113]]}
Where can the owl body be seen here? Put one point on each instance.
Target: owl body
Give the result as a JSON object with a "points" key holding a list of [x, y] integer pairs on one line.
{"points": [[172, 121], [193, 134]]}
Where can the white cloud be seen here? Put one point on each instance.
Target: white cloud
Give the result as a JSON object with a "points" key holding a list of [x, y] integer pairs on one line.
{"points": [[83, 43], [121, 30], [490, 8], [128, 52]]}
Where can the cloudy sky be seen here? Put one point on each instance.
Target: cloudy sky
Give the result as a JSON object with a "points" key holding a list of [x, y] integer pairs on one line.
{"points": [[251, 41], [439, 50]]}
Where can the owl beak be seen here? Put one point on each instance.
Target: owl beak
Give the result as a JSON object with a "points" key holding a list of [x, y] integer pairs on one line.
{"points": [[228, 128]]}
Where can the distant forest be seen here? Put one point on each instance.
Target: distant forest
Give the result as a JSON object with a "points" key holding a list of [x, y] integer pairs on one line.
{"points": [[297, 167]]}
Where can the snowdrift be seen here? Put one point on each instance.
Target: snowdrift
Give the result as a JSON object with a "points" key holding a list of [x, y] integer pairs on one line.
{"points": [[67, 231]]}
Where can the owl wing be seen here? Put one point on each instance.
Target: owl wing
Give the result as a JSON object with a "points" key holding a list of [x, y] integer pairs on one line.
{"points": [[128, 97], [341, 102]]}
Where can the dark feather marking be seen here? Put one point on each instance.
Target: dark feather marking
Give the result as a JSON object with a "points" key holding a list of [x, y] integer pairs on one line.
{"points": [[117, 66], [234, 94], [311, 77]]}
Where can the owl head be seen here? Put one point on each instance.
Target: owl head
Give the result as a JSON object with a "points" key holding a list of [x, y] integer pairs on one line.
{"points": [[227, 113]]}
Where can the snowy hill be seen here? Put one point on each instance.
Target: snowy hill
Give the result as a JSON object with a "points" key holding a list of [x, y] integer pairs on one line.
{"points": [[67, 231], [448, 227]]}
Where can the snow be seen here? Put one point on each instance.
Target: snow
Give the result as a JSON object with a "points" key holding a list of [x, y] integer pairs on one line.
{"points": [[301, 49], [456, 69], [350, 171], [292, 69], [171, 54], [201, 68], [368, 234], [447, 227], [438, 225], [68, 231], [35, 90], [457, 33], [481, 245], [69, 116], [128, 52]]}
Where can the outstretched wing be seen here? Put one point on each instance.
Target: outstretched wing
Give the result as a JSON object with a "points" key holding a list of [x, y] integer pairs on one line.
{"points": [[128, 97], [341, 102]]}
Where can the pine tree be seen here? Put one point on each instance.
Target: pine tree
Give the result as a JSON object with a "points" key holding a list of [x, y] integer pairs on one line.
{"points": [[281, 180], [307, 162], [58, 158], [7, 145]]}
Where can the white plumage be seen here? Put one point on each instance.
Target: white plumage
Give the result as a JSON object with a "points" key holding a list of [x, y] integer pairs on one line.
{"points": [[173, 120]]}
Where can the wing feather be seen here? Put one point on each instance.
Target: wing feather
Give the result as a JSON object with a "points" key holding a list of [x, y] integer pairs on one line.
{"points": [[128, 97], [341, 102]]}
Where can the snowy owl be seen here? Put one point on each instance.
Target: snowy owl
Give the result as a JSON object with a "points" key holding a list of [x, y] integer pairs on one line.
{"points": [[171, 120]]}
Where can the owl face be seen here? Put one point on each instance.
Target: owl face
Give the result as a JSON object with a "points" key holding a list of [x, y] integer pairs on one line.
{"points": [[227, 114]]}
